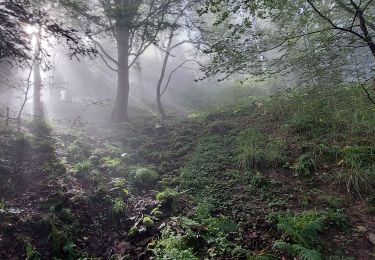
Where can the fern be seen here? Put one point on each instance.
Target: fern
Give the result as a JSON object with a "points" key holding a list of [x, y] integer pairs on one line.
{"points": [[302, 228], [298, 251], [226, 225]]}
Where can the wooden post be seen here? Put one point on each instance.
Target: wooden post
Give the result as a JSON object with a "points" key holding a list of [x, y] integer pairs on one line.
{"points": [[7, 116]]}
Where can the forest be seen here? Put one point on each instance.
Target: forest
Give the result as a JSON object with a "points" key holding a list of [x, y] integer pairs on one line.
{"points": [[185, 130]]}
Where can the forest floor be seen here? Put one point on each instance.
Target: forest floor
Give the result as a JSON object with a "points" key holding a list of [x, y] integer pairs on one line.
{"points": [[225, 185]]}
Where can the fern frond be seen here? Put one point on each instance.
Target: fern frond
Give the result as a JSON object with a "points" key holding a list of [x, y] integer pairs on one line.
{"points": [[298, 251]]}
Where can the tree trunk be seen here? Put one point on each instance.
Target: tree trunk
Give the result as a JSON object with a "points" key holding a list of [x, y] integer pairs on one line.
{"points": [[38, 106], [120, 110], [161, 78]]}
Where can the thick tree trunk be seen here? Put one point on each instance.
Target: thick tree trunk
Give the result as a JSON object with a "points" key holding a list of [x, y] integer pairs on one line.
{"points": [[120, 110]]}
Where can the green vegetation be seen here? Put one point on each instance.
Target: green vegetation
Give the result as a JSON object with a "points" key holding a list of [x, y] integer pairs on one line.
{"points": [[243, 183], [144, 177], [257, 151], [305, 166], [167, 198], [148, 222]]}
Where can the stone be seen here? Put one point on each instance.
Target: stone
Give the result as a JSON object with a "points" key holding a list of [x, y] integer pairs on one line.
{"points": [[371, 238], [361, 229], [124, 247]]}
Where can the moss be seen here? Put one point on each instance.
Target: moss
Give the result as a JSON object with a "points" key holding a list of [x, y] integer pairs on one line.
{"points": [[148, 222], [144, 177], [157, 213], [167, 197], [133, 232]]}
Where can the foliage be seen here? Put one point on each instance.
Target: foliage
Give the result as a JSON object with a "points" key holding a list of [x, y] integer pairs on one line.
{"points": [[119, 206], [78, 150], [143, 177], [298, 250], [302, 231], [325, 114], [301, 228], [259, 180], [31, 253], [256, 150], [167, 197], [358, 169], [82, 168], [173, 247], [305, 166]]}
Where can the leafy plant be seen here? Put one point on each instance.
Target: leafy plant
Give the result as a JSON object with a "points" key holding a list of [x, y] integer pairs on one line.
{"points": [[70, 251], [298, 250], [31, 253], [305, 165], [83, 167], [173, 247], [119, 206], [259, 180], [301, 228]]}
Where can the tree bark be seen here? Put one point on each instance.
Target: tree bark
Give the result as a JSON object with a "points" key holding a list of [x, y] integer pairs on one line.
{"points": [[38, 106], [120, 110], [161, 78]]}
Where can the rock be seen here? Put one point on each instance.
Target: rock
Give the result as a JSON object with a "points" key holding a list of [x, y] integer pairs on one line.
{"points": [[361, 229], [124, 247], [371, 238]]}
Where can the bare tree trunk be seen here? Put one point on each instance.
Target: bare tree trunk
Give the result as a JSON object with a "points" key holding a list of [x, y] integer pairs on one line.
{"points": [[38, 106], [120, 110], [161, 78]]}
